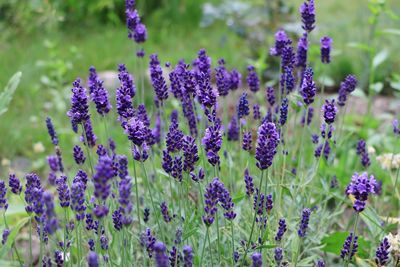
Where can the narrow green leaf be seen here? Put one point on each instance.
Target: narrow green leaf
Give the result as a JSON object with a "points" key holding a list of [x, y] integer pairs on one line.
{"points": [[380, 58], [7, 95], [11, 238]]}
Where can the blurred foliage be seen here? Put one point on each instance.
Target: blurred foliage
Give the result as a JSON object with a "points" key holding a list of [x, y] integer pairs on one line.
{"points": [[8, 93]]}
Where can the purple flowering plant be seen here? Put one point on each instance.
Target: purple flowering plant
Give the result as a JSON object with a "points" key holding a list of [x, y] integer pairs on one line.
{"points": [[192, 179]]}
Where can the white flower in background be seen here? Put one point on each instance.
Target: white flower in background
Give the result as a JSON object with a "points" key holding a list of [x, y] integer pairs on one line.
{"points": [[38, 147], [5, 162], [371, 150], [389, 161], [394, 241]]}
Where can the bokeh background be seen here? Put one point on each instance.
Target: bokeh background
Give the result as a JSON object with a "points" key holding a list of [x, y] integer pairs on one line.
{"points": [[54, 41]]}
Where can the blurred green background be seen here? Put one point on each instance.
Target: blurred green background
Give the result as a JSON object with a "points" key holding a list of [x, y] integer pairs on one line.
{"points": [[54, 41]]}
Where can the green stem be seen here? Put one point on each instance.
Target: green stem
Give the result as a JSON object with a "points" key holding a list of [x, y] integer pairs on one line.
{"points": [[12, 245], [209, 247], [30, 241], [204, 246], [137, 196], [87, 149], [254, 219], [233, 244]]}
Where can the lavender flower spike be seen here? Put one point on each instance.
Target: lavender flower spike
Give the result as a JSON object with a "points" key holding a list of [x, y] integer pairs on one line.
{"points": [[305, 218], [3, 198], [382, 252], [92, 259], [157, 79], [248, 180], [349, 244], [360, 187], [308, 88], [187, 256], [52, 131], [329, 109], [160, 255], [79, 112], [307, 12], [267, 142], [14, 184], [326, 46], [252, 79], [256, 260]]}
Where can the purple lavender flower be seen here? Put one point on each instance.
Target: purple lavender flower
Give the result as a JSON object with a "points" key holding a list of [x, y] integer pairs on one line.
{"points": [[51, 222], [247, 141], [302, 48], [278, 256], [289, 79], [256, 260], [147, 240], [256, 112], [283, 112], [248, 180], [32, 186], [136, 131], [117, 219], [104, 173], [396, 129], [233, 130], [252, 79], [79, 156], [165, 212], [4, 236], [141, 154], [360, 187], [329, 109], [281, 40], [222, 78], [52, 132], [212, 142], [142, 115], [382, 253], [89, 134], [307, 12], [14, 184], [235, 80], [81, 177], [326, 46], [281, 229], [92, 259], [136, 29], [146, 215], [101, 151], [288, 55], [243, 109], [58, 258], [177, 168], [210, 203], [124, 94], [157, 79], [270, 95], [52, 161], [174, 138], [305, 218], [346, 87], [140, 53], [187, 256], [3, 198], [174, 257], [160, 254], [267, 142], [167, 162], [203, 63], [79, 112], [363, 153], [104, 242], [64, 194], [225, 200], [350, 247], [308, 88], [206, 95], [78, 200], [190, 153], [320, 263]]}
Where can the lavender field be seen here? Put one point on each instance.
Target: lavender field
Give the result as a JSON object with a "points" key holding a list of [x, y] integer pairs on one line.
{"points": [[265, 161]]}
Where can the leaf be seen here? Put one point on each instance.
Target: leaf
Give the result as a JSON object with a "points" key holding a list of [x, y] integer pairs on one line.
{"points": [[372, 220], [380, 58], [391, 31], [334, 243], [236, 199], [7, 95], [377, 87], [11, 238], [360, 46], [395, 85]]}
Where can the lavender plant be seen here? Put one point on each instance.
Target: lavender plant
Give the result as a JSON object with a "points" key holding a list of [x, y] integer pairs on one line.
{"points": [[179, 192]]}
